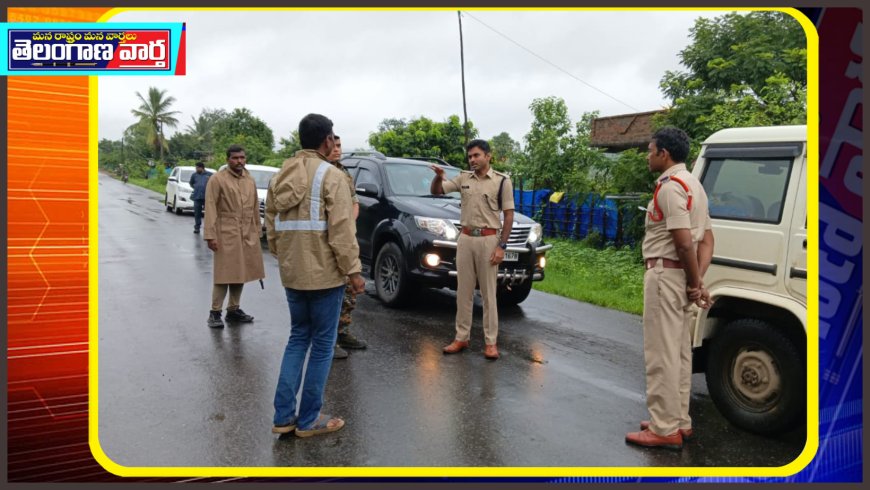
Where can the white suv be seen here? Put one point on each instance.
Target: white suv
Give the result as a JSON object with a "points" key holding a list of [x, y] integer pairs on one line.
{"points": [[262, 175], [752, 343], [178, 190]]}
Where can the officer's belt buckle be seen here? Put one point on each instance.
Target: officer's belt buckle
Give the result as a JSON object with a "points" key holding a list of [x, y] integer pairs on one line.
{"points": [[475, 231]]}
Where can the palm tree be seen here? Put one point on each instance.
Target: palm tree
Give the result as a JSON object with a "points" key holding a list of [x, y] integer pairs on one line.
{"points": [[153, 113], [202, 131]]}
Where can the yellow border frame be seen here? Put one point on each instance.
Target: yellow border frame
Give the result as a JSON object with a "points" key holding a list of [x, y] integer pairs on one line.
{"points": [[795, 466]]}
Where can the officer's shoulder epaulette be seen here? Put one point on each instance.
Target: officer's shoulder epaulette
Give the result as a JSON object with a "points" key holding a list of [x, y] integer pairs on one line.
{"points": [[501, 174], [466, 171]]}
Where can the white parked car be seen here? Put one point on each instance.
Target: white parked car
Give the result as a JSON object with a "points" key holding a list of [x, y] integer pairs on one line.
{"points": [[262, 174], [178, 190]]}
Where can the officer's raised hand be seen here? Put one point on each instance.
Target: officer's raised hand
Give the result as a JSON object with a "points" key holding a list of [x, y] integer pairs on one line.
{"points": [[435, 187]]}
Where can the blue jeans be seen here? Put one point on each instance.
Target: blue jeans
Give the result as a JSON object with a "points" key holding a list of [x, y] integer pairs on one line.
{"points": [[313, 323], [197, 213]]}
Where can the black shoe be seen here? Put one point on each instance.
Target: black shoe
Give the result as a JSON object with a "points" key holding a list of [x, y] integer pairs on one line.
{"points": [[238, 315], [196, 230], [348, 341], [214, 320], [339, 353]]}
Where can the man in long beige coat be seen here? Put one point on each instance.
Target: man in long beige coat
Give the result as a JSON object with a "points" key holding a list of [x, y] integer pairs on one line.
{"points": [[232, 230]]}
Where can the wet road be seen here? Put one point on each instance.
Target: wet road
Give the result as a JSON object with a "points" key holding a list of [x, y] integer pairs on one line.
{"points": [[173, 392]]}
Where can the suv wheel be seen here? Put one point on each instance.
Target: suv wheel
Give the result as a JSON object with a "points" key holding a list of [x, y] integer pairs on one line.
{"points": [[391, 279], [517, 294], [166, 202], [175, 206], [757, 377]]}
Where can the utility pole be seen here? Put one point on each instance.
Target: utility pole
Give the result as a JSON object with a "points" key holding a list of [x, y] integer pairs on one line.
{"points": [[160, 140], [462, 63]]}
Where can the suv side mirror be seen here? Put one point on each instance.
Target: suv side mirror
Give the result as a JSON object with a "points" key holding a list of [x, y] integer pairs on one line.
{"points": [[368, 189], [173, 179]]}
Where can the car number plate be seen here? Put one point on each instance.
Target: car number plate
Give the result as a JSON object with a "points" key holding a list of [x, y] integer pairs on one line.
{"points": [[511, 256]]}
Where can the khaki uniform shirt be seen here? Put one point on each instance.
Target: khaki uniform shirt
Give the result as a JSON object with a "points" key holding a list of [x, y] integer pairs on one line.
{"points": [[341, 167], [310, 225], [673, 202], [480, 197]]}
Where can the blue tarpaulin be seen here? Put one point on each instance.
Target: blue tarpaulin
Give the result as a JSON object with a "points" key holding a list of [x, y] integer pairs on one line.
{"points": [[574, 216]]}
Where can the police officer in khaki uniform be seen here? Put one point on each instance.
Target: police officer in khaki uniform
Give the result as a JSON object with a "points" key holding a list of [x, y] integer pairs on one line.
{"points": [[677, 250], [482, 241], [346, 340]]}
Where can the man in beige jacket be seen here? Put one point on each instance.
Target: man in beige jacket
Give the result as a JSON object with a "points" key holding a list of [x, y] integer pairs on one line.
{"points": [[232, 231], [311, 231]]}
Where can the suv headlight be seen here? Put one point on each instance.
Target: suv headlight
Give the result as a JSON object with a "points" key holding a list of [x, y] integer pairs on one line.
{"points": [[535, 234], [438, 226]]}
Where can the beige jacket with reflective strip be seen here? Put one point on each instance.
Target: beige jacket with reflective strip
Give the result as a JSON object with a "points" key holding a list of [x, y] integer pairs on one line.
{"points": [[309, 223]]}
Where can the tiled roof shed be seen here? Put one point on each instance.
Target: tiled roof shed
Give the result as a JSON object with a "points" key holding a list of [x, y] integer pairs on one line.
{"points": [[618, 133]]}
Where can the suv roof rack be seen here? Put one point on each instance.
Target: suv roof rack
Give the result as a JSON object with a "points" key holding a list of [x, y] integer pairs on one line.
{"points": [[366, 153], [431, 159]]}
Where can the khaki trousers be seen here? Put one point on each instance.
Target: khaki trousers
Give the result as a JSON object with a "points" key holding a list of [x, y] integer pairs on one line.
{"points": [[219, 292], [667, 349], [473, 267]]}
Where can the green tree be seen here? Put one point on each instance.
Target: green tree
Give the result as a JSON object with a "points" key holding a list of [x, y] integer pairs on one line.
{"points": [[289, 146], [423, 137], [184, 146], [153, 114], [202, 132], [241, 127], [110, 155], [544, 160], [742, 70], [581, 158], [504, 151]]}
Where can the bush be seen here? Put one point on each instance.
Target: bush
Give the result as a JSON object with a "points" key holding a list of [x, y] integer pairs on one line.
{"points": [[594, 240]]}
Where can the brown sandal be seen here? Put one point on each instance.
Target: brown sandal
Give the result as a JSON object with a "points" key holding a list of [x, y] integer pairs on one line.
{"points": [[323, 425]]}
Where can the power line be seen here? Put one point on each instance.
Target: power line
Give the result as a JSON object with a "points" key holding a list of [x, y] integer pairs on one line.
{"points": [[550, 62]]}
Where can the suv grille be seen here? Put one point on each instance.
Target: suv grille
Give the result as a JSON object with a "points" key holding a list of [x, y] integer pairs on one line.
{"points": [[262, 209], [519, 234]]}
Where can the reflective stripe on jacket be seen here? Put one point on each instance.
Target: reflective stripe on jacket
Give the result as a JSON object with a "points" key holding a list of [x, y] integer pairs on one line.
{"points": [[309, 223]]}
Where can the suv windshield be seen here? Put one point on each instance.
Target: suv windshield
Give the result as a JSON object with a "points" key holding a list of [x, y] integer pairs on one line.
{"points": [[184, 176], [414, 180]]}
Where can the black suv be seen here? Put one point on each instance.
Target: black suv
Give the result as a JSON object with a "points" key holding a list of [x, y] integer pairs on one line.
{"points": [[407, 236]]}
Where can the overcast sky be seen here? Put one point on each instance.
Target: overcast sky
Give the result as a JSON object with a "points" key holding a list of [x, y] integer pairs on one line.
{"points": [[360, 67]]}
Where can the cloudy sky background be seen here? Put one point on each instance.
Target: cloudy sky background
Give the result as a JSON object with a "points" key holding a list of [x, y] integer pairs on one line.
{"points": [[360, 67]]}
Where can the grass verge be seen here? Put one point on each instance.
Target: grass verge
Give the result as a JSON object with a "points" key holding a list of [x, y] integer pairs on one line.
{"points": [[611, 277], [151, 184]]}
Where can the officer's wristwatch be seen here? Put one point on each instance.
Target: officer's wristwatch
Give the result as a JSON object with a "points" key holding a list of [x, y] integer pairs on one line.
{"points": [[503, 245]]}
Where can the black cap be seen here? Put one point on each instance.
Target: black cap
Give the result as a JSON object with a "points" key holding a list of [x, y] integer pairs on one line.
{"points": [[200, 164]]}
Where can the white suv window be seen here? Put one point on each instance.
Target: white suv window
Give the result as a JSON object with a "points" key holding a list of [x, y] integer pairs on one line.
{"points": [[750, 189]]}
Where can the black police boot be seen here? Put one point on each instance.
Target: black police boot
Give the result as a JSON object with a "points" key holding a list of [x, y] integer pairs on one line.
{"points": [[238, 315], [214, 319]]}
